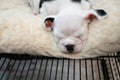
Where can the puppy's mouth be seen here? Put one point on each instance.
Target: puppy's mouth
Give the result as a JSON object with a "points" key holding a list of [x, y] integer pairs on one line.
{"points": [[71, 52], [70, 46], [69, 49]]}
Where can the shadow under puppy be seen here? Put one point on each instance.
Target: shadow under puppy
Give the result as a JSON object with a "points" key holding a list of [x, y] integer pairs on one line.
{"points": [[69, 21]]}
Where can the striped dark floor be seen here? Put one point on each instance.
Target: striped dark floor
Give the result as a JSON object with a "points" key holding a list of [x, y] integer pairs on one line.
{"points": [[26, 67]]}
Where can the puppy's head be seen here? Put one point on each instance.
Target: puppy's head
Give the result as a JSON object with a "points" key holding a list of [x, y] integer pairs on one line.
{"points": [[70, 30]]}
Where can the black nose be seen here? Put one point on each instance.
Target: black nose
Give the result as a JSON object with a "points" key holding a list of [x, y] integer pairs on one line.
{"points": [[70, 48]]}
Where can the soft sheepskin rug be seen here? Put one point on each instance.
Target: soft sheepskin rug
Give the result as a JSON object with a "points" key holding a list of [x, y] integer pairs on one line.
{"points": [[21, 31]]}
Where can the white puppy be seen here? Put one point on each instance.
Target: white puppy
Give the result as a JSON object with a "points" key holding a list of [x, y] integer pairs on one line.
{"points": [[69, 20]]}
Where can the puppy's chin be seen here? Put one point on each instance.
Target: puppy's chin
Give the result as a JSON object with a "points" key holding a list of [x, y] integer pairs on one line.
{"points": [[65, 51], [69, 47]]}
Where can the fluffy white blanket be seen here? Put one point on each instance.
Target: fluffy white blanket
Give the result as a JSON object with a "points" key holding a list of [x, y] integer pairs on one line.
{"points": [[21, 31]]}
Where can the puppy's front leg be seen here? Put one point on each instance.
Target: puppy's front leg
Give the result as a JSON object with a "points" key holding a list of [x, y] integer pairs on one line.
{"points": [[86, 4], [34, 4]]}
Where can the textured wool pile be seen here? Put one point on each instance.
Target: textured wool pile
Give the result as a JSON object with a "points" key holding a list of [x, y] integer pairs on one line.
{"points": [[21, 31]]}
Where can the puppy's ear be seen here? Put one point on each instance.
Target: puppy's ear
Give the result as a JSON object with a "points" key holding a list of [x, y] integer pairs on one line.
{"points": [[96, 14], [48, 23]]}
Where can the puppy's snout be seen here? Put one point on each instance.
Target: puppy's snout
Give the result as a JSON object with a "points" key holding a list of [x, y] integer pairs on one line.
{"points": [[70, 48]]}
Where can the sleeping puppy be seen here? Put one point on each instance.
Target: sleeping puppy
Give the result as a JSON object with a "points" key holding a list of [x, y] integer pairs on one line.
{"points": [[69, 21]]}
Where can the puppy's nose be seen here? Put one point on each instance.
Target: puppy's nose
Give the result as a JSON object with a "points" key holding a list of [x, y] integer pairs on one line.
{"points": [[70, 48]]}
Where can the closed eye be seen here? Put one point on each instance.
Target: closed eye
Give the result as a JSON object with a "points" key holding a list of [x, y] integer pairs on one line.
{"points": [[79, 36], [58, 38]]}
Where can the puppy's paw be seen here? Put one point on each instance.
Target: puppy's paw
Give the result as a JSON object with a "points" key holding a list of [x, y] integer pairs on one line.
{"points": [[35, 12]]}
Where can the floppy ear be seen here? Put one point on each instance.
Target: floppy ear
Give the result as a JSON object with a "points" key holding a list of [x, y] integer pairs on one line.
{"points": [[96, 14], [48, 23]]}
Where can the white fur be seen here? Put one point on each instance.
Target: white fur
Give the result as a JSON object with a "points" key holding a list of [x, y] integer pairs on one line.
{"points": [[21, 32]]}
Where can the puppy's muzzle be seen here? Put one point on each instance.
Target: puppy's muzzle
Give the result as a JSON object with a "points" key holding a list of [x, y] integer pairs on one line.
{"points": [[69, 48]]}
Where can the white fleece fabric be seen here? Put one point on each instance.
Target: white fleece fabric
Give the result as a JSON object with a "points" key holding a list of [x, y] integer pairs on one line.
{"points": [[21, 31]]}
